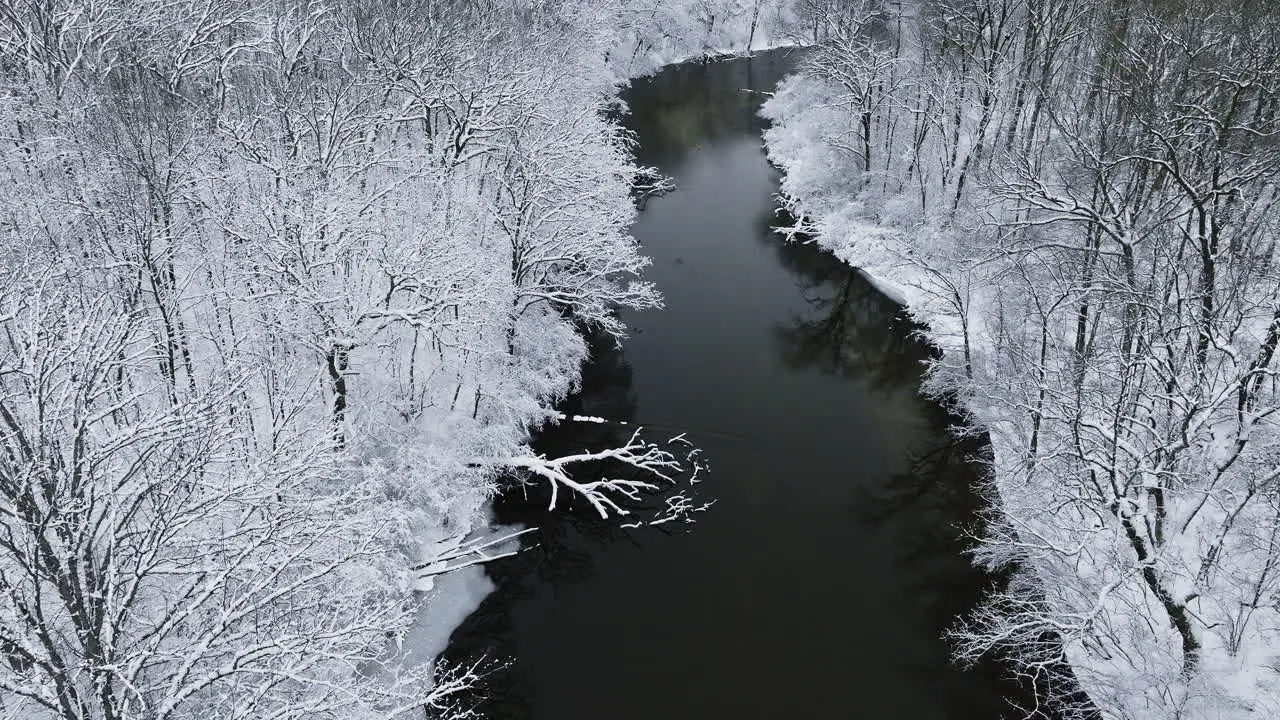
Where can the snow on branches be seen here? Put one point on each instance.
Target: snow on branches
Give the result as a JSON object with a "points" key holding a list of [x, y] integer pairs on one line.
{"points": [[659, 468]]}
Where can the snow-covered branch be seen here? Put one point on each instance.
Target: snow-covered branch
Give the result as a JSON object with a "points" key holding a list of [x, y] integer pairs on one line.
{"points": [[661, 471]]}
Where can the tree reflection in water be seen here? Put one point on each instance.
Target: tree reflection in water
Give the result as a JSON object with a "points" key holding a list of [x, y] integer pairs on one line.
{"points": [[850, 329], [933, 510]]}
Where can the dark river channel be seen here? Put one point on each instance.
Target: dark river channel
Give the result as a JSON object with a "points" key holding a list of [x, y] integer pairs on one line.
{"points": [[820, 583]]}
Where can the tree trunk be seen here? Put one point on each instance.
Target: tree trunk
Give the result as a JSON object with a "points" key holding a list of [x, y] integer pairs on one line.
{"points": [[337, 361]]}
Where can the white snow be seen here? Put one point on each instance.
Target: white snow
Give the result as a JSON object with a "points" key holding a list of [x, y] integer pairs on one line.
{"points": [[451, 595], [891, 290], [451, 599]]}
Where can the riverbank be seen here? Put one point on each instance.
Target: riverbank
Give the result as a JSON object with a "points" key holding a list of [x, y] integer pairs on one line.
{"points": [[1121, 454], [823, 212]]}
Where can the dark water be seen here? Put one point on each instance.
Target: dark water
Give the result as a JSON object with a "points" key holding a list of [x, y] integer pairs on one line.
{"points": [[819, 584]]}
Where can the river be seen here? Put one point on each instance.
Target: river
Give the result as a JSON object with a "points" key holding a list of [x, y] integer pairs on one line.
{"points": [[820, 583]]}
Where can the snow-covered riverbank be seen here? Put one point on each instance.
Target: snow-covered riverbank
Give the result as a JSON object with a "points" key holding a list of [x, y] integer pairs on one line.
{"points": [[1120, 378]]}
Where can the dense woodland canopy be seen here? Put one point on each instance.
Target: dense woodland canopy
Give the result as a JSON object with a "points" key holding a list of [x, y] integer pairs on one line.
{"points": [[284, 287], [1079, 198]]}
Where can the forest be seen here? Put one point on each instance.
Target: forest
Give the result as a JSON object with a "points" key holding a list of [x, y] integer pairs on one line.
{"points": [[1078, 199]]}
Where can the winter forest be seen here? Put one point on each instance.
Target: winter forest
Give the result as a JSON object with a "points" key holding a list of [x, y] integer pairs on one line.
{"points": [[287, 287]]}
